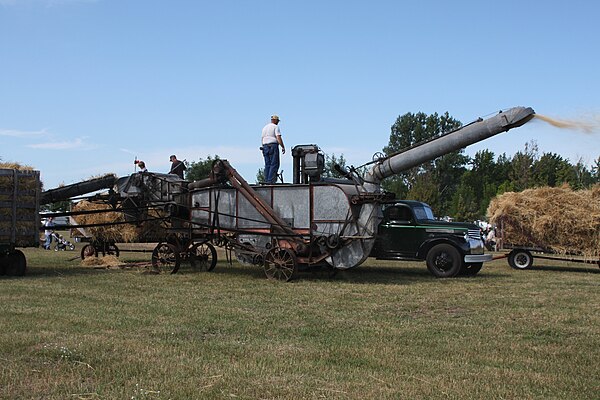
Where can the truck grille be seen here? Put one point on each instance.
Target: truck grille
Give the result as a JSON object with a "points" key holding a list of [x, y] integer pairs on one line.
{"points": [[474, 234]]}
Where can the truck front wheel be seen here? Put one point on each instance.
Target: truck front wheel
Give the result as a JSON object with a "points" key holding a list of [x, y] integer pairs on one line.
{"points": [[444, 261]]}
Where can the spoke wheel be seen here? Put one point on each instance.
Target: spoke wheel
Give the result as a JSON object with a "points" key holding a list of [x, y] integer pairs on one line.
{"points": [[88, 251], [280, 264], [165, 260], [203, 257], [111, 250]]}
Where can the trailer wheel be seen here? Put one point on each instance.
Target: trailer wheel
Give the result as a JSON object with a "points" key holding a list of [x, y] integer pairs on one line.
{"points": [[444, 261], [16, 264], [520, 259], [471, 269], [203, 256], [165, 260], [280, 264]]}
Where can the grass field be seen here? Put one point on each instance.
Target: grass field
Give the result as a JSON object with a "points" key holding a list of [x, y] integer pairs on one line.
{"points": [[380, 331]]}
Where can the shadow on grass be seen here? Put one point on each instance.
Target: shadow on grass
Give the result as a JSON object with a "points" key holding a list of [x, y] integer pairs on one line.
{"points": [[390, 275], [588, 269]]}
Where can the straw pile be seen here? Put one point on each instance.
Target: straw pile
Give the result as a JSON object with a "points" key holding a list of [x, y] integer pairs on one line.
{"points": [[108, 261], [28, 185], [558, 219]]}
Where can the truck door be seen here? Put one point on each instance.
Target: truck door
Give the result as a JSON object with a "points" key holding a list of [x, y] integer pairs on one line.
{"points": [[398, 234]]}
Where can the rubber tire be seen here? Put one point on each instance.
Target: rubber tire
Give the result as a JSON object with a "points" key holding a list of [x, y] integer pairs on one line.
{"points": [[444, 254], [16, 263], [520, 259], [201, 264], [471, 269]]}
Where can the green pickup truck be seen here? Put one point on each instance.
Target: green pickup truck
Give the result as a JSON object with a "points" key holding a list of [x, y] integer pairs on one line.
{"points": [[410, 231]]}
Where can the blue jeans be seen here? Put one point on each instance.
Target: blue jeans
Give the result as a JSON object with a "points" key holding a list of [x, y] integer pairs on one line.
{"points": [[271, 155], [48, 242]]}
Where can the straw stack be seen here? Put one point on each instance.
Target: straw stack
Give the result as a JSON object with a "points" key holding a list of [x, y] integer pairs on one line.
{"points": [[559, 219]]}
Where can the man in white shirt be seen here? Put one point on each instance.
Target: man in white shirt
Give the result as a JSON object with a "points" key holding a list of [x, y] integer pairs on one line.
{"points": [[271, 140]]}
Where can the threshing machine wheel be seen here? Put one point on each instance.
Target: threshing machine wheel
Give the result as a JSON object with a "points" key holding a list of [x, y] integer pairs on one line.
{"points": [[280, 264], [203, 256], [165, 259]]}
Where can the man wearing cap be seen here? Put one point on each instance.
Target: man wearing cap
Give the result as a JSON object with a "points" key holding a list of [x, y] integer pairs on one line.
{"points": [[271, 140]]}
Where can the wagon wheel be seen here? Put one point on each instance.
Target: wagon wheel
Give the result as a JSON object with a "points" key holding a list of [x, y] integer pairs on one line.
{"points": [[203, 256], [88, 251], [165, 260], [110, 249], [280, 264]]}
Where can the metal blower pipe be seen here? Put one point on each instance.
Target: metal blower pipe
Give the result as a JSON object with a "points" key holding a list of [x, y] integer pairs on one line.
{"points": [[450, 142]]}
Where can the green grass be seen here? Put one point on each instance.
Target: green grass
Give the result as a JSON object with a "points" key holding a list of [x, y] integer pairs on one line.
{"points": [[382, 330]]}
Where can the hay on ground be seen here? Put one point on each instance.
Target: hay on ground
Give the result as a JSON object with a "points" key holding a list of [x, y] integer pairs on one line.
{"points": [[559, 219], [108, 261]]}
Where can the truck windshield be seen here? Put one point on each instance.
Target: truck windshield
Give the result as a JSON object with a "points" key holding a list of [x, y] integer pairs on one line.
{"points": [[423, 213]]}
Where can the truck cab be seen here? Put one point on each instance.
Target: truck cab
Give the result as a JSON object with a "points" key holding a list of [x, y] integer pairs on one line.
{"points": [[410, 231]]}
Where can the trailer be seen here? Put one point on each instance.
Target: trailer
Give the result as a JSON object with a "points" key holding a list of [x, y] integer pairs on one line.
{"points": [[19, 218], [521, 257]]}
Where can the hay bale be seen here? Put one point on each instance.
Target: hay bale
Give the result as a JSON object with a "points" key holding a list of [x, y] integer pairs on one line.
{"points": [[119, 232], [559, 219], [21, 191], [115, 233]]}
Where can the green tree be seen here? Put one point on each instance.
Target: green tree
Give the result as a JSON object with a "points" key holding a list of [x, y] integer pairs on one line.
{"points": [[197, 170], [596, 171], [464, 203], [522, 166], [260, 175], [547, 169], [411, 129], [426, 190]]}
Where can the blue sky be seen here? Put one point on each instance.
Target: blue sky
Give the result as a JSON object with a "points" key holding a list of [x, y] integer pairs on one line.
{"points": [[87, 85]]}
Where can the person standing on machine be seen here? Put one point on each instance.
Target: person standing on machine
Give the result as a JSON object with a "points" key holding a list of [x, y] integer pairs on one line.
{"points": [[271, 140]]}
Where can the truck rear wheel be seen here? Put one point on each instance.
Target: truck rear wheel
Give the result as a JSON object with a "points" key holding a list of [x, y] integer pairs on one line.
{"points": [[444, 261], [520, 259]]}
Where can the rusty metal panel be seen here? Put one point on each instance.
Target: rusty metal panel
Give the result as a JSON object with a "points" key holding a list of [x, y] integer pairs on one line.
{"points": [[249, 217], [330, 203], [292, 203]]}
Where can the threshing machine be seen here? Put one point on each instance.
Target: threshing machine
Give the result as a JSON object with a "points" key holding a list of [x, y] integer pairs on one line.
{"points": [[283, 227]]}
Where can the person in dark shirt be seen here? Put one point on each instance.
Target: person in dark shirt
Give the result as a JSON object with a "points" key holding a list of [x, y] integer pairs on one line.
{"points": [[177, 167]]}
